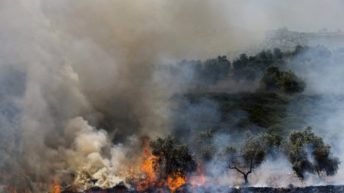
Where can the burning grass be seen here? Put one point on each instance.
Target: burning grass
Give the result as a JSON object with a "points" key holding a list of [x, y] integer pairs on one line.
{"points": [[56, 187]]}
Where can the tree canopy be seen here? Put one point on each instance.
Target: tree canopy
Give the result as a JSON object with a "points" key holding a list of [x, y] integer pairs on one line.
{"points": [[173, 158], [307, 152], [286, 82], [245, 159]]}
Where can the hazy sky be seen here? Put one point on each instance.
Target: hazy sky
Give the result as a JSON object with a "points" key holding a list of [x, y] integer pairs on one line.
{"points": [[304, 15]]}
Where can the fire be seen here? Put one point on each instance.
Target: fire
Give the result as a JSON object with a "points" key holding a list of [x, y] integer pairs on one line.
{"points": [[199, 179], [147, 168], [175, 181], [151, 177], [56, 188]]}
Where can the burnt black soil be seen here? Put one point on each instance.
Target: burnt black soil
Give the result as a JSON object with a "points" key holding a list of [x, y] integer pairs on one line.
{"points": [[185, 189]]}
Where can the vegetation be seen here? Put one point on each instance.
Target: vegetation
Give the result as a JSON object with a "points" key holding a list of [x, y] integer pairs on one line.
{"points": [[286, 82], [308, 153], [245, 160], [271, 113], [208, 72], [264, 109], [248, 68], [206, 150], [251, 67], [173, 158], [252, 153]]}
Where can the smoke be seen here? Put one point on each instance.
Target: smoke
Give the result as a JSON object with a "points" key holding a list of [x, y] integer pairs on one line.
{"points": [[91, 155], [95, 60], [325, 109], [79, 76]]}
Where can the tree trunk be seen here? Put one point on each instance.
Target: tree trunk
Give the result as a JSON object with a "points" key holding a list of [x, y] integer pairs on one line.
{"points": [[246, 179]]}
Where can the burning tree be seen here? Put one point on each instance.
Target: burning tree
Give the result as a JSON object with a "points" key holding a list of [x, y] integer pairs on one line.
{"points": [[308, 153], [174, 161], [249, 157]]}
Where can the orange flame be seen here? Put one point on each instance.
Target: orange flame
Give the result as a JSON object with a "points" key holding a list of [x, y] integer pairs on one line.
{"points": [[147, 167], [175, 181], [56, 188]]}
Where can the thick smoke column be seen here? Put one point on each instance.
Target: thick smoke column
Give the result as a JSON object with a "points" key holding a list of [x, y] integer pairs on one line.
{"points": [[96, 60]]}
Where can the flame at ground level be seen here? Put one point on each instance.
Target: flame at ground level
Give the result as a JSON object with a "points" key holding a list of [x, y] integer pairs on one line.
{"points": [[198, 179], [174, 182], [56, 188], [147, 168]]}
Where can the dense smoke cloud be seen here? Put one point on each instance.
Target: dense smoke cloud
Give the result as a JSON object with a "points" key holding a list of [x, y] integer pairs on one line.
{"points": [[325, 111], [63, 60], [96, 60]]}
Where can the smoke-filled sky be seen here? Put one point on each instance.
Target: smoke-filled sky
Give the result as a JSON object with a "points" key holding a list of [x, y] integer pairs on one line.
{"points": [[61, 60]]}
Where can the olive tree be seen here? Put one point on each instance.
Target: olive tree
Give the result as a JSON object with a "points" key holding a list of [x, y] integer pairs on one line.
{"points": [[308, 152], [276, 80], [173, 158], [247, 158], [253, 152]]}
